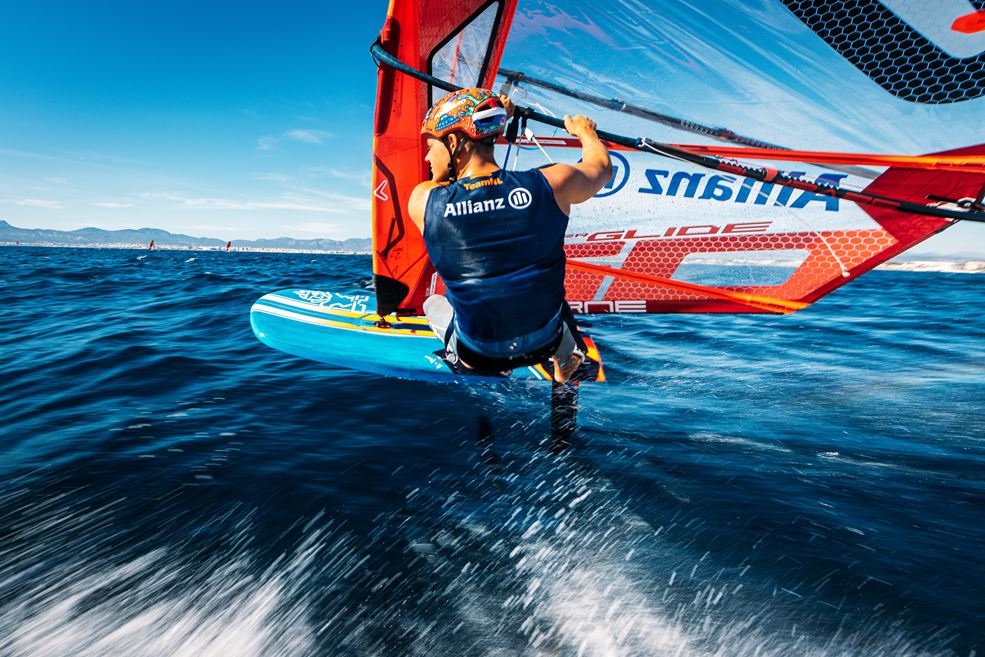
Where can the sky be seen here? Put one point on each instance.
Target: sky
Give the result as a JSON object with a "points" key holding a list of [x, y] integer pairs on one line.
{"points": [[246, 120], [232, 120]]}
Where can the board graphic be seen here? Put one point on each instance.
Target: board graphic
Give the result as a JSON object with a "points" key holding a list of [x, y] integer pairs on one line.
{"points": [[342, 330]]}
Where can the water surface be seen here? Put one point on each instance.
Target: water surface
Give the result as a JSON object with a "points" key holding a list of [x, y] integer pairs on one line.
{"points": [[744, 485]]}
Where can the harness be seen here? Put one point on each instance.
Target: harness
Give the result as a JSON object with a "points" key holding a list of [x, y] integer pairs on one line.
{"points": [[482, 364]]}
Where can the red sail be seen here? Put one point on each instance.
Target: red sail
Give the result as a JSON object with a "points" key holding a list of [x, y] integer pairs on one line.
{"points": [[460, 41]]}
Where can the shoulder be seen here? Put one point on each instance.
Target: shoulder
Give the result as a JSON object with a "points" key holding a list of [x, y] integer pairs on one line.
{"points": [[558, 179], [417, 204], [423, 190], [558, 174]]}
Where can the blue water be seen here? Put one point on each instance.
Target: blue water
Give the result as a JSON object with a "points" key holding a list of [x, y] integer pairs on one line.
{"points": [[805, 485]]}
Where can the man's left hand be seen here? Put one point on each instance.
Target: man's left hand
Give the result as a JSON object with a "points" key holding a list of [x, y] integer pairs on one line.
{"points": [[508, 104]]}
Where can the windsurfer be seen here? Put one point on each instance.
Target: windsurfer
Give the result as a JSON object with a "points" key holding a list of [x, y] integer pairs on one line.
{"points": [[496, 237]]}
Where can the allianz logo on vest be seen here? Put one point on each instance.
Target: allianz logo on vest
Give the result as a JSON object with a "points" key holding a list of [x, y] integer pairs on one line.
{"points": [[518, 199]]}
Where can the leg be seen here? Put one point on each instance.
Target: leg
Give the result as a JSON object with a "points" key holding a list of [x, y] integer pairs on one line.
{"points": [[571, 351], [564, 415], [440, 316], [568, 357]]}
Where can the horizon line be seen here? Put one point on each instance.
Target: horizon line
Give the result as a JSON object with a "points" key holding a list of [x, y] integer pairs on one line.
{"points": [[165, 230]]}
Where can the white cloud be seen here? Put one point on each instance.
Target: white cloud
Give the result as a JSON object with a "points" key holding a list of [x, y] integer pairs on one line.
{"points": [[319, 227], [73, 157], [52, 189], [40, 203], [361, 178], [308, 136], [113, 204], [342, 201], [272, 177], [210, 229], [269, 142], [215, 203]]}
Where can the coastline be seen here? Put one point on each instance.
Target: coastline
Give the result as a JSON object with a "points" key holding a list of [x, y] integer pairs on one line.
{"points": [[943, 266], [939, 266], [176, 247]]}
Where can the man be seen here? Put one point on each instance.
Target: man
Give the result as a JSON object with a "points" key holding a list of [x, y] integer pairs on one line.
{"points": [[496, 237]]}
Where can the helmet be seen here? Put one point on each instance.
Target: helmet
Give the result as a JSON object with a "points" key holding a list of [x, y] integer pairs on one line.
{"points": [[477, 113]]}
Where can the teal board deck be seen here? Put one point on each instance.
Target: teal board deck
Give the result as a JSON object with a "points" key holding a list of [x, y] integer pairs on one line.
{"points": [[341, 330]]}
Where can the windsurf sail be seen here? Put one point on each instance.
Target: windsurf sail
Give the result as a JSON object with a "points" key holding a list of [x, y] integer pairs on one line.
{"points": [[515, 78], [460, 41], [688, 228]]}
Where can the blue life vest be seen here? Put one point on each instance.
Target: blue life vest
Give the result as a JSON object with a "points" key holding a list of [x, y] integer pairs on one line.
{"points": [[498, 244]]}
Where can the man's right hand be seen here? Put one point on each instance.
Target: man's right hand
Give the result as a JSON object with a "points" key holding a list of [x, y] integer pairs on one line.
{"points": [[580, 126], [577, 183]]}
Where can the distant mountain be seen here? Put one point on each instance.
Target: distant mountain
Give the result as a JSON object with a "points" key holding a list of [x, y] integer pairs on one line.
{"points": [[162, 238], [350, 244]]}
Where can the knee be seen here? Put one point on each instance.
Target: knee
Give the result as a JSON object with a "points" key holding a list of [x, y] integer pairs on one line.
{"points": [[435, 303]]}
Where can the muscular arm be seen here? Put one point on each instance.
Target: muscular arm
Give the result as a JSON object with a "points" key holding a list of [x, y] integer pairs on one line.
{"points": [[577, 183]]}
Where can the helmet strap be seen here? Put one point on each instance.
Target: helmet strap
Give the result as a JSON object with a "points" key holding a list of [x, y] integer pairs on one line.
{"points": [[452, 169]]}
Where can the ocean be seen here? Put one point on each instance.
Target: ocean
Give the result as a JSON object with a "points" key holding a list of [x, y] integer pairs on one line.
{"points": [[742, 485]]}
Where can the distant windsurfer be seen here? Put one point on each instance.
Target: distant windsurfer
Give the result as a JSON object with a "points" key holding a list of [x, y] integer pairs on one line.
{"points": [[496, 237]]}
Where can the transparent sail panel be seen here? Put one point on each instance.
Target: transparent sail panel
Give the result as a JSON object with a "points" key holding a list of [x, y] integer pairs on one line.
{"points": [[743, 269], [460, 59]]}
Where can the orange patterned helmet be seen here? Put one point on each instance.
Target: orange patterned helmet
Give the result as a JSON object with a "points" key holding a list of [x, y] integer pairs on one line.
{"points": [[477, 113]]}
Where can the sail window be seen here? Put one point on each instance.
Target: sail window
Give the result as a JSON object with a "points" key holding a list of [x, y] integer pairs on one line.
{"points": [[461, 59], [741, 269]]}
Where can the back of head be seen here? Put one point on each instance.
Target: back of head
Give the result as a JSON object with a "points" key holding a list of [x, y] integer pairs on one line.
{"points": [[476, 113]]}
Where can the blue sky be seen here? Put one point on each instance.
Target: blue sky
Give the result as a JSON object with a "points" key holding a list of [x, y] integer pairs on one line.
{"points": [[231, 120], [254, 119]]}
